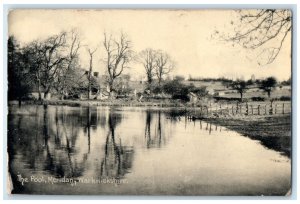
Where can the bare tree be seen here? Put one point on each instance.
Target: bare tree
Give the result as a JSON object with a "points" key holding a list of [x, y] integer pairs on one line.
{"points": [[119, 54], [148, 58], [266, 28], [66, 75], [53, 60], [164, 65], [91, 53]]}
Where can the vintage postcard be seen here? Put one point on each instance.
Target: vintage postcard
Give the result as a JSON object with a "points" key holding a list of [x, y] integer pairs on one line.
{"points": [[149, 102]]}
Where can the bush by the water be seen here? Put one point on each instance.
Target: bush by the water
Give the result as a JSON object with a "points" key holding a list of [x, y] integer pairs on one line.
{"points": [[178, 90], [258, 98]]}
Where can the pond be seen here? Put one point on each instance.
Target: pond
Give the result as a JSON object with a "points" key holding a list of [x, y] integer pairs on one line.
{"points": [[135, 151]]}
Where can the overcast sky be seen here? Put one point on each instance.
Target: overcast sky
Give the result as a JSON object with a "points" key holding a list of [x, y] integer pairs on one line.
{"points": [[184, 34]]}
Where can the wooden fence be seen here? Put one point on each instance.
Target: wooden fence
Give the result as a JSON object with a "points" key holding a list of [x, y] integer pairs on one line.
{"points": [[262, 108]]}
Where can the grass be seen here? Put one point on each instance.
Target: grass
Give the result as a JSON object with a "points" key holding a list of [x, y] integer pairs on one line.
{"points": [[259, 93]]}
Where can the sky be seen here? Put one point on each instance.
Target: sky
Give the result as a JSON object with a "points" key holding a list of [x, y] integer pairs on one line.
{"points": [[184, 34]]}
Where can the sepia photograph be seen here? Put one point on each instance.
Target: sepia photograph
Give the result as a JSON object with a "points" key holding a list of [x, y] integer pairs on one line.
{"points": [[149, 102]]}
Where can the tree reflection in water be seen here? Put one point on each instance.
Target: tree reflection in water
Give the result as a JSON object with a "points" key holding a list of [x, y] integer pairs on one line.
{"points": [[62, 159], [153, 139], [45, 140], [117, 158]]}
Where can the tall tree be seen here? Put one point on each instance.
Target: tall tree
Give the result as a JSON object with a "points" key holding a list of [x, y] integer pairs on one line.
{"points": [[53, 57], [34, 62], [91, 53], [67, 74], [268, 85], [119, 54], [18, 86], [164, 65], [148, 58]]}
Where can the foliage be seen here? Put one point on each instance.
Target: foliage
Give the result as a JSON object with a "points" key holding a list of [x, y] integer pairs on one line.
{"points": [[240, 86], [257, 98], [286, 82], [18, 74], [178, 90], [268, 85]]}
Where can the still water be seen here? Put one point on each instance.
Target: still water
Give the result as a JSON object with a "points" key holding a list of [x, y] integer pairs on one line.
{"points": [[135, 151]]}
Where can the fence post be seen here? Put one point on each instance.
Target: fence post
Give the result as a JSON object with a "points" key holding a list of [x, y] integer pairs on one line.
{"points": [[201, 110], [283, 108], [266, 109], [275, 108], [271, 108], [252, 109], [258, 111]]}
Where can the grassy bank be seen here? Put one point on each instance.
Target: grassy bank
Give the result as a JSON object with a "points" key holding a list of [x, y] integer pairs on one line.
{"points": [[274, 131], [116, 102]]}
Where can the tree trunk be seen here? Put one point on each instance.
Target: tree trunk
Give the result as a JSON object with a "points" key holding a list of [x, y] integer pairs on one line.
{"points": [[20, 101], [111, 85], [39, 86], [89, 87], [241, 96], [46, 94], [269, 94]]}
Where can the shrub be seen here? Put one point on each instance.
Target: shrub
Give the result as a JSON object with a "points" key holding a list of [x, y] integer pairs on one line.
{"points": [[177, 90], [285, 98], [255, 98]]}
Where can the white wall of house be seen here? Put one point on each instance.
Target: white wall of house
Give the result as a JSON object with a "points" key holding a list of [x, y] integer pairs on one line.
{"points": [[35, 95]]}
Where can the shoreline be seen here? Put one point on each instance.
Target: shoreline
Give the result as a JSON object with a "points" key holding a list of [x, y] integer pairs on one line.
{"points": [[84, 103], [273, 131]]}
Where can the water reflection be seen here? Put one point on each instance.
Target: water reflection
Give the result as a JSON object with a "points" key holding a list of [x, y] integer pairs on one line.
{"points": [[51, 141], [117, 158], [140, 145], [62, 160], [154, 139]]}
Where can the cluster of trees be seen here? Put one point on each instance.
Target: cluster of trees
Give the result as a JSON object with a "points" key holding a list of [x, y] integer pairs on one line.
{"points": [[219, 79], [52, 65], [178, 90], [157, 65], [268, 84], [48, 65]]}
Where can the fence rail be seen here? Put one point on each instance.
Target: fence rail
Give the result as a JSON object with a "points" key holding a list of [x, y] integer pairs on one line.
{"points": [[247, 109]]}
